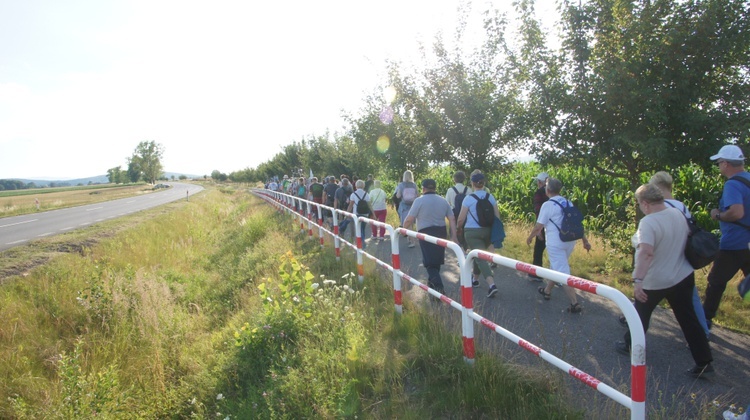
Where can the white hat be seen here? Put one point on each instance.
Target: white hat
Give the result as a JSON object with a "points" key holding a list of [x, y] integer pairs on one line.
{"points": [[542, 177], [729, 152]]}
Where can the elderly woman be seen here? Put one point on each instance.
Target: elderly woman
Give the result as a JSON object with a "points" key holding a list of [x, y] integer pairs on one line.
{"points": [[475, 235], [662, 272]]}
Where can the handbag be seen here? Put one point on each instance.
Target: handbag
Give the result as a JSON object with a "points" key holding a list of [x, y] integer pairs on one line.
{"points": [[701, 246]]}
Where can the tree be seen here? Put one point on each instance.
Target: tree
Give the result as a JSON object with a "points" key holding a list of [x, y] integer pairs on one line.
{"points": [[116, 175], [643, 85], [146, 162]]}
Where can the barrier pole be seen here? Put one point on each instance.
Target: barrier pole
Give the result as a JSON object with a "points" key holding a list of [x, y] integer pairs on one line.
{"points": [[360, 239], [320, 224], [637, 401]]}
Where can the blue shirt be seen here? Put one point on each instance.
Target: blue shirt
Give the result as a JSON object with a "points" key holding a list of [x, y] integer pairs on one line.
{"points": [[735, 237]]}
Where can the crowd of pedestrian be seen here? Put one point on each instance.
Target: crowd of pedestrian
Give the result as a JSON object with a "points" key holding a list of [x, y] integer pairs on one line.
{"points": [[465, 215]]}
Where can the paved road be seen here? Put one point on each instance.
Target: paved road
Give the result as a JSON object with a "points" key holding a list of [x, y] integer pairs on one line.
{"points": [[587, 340], [18, 230]]}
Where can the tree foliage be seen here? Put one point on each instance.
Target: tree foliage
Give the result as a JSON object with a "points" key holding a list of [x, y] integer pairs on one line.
{"points": [[641, 85], [145, 163]]}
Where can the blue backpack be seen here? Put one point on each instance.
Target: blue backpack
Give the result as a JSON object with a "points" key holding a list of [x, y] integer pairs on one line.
{"points": [[571, 228]]}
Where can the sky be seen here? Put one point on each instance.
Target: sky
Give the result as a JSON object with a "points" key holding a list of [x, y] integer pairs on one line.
{"points": [[221, 85]]}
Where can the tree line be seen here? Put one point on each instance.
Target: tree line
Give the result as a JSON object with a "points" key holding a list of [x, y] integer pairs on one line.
{"points": [[633, 87]]}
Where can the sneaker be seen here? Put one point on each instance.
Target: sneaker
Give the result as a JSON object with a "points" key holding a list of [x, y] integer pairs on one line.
{"points": [[623, 321], [493, 264], [475, 283], [492, 292], [700, 372], [622, 348]]}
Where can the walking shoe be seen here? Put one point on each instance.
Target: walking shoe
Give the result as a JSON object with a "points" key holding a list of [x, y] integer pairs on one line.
{"points": [[701, 372], [475, 283], [532, 277], [575, 308], [623, 321], [492, 292], [622, 348], [493, 264]]}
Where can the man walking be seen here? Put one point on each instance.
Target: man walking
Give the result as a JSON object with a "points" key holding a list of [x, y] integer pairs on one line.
{"points": [[734, 223], [430, 212], [540, 197]]}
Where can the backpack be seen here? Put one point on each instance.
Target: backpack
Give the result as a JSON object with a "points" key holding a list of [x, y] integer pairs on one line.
{"points": [[701, 246], [362, 206], [301, 191], [485, 211], [408, 195], [571, 228], [458, 201]]}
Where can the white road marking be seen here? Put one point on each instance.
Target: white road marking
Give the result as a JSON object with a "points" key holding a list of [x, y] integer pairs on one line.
{"points": [[85, 224], [44, 234], [16, 242], [95, 208], [67, 228], [19, 223]]}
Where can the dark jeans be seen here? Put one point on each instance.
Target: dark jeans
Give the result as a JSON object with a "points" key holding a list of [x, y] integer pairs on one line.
{"points": [[433, 256], [680, 298], [539, 245], [725, 266]]}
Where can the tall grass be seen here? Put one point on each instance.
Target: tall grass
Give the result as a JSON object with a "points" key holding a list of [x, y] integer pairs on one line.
{"points": [[205, 312]]}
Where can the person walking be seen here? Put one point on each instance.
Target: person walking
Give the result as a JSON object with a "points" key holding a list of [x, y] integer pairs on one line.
{"points": [[455, 197], [734, 222], [476, 235], [379, 208], [430, 211], [662, 272], [359, 205], [540, 197], [406, 193], [550, 217], [317, 192], [341, 202]]}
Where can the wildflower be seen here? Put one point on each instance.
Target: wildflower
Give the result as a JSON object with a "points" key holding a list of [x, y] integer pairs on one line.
{"points": [[295, 299], [264, 394], [351, 291], [346, 287], [220, 397], [315, 286], [329, 282], [192, 402]]}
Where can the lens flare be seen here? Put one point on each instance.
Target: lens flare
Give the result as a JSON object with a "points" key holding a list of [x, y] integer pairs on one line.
{"points": [[386, 115], [383, 143], [389, 94]]}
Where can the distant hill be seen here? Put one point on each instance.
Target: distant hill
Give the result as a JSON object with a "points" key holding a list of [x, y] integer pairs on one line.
{"points": [[99, 179]]}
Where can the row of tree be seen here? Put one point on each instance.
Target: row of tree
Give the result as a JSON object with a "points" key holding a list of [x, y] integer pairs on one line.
{"points": [[144, 165], [634, 87]]}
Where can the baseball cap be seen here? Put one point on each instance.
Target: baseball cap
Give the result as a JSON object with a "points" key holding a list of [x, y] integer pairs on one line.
{"points": [[477, 177], [729, 152], [429, 183], [542, 176]]}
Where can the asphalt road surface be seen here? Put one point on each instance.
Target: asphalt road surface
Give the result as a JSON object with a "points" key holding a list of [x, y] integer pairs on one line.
{"points": [[19, 230], [586, 341]]}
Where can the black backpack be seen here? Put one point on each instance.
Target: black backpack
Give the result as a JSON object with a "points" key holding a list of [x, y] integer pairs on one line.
{"points": [[458, 201], [701, 246], [571, 228], [363, 208], [485, 211]]}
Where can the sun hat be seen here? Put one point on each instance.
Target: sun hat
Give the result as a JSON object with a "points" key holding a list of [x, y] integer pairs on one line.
{"points": [[729, 152], [477, 177], [429, 183], [542, 176]]}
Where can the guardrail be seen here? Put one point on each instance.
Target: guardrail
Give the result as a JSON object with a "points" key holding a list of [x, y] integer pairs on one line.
{"points": [[636, 402]]}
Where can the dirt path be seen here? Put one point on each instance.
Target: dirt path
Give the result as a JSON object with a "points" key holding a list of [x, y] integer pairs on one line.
{"points": [[587, 342]]}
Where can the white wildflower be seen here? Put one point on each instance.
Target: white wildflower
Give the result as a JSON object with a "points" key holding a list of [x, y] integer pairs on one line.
{"points": [[346, 287], [315, 286], [220, 397]]}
